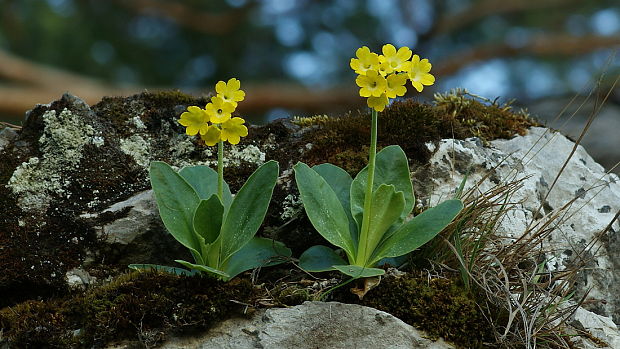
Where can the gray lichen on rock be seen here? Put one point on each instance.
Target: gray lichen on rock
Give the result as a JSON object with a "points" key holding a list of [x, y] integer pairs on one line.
{"points": [[250, 154], [138, 148], [291, 205], [61, 144]]}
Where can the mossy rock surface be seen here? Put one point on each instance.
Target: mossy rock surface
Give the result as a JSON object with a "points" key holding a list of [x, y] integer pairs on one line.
{"points": [[140, 307], [89, 158]]}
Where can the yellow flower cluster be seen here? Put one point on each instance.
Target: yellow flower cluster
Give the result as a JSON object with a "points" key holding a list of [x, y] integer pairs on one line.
{"points": [[214, 123], [384, 76]]}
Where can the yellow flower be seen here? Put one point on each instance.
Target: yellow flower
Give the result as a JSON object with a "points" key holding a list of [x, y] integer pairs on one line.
{"points": [[195, 120], [385, 68], [219, 110], [395, 59], [396, 85], [365, 61], [372, 84], [233, 129], [419, 73], [378, 103], [230, 92], [212, 136]]}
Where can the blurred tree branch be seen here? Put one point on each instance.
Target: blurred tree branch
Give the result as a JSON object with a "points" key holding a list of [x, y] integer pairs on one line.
{"points": [[541, 45], [485, 8], [200, 21], [25, 83]]}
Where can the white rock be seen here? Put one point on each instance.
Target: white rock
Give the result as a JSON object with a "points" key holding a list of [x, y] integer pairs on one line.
{"points": [[598, 326], [538, 157], [78, 278], [143, 211], [7, 135], [309, 326]]}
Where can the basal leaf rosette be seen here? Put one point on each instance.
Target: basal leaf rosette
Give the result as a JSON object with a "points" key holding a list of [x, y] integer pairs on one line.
{"points": [[197, 207]]}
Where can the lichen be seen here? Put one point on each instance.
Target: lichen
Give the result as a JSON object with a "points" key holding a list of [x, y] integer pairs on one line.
{"points": [[291, 206], [61, 146], [249, 154], [138, 148]]}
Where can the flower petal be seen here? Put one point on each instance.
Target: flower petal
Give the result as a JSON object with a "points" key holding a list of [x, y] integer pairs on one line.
{"points": [[234, 84], [212, 136], [238, 96], [427, 79], [388, 50], [404, 53], [220, 87], [417, 85]]}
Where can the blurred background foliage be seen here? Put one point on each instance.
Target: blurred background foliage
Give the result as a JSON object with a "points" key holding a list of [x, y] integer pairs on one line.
{"points": [[292, 56]]}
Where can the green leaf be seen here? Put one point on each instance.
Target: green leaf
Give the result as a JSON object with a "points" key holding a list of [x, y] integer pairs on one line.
{"points": [[393, 261], [208, 218], [177, 202], [248, 209], [259, 252], [323, 208], [319, 258], [391, 167], [355, 271], [204, 268], [418, 231], [204, 181], [340, 182], [386, 207], [156, 267]]}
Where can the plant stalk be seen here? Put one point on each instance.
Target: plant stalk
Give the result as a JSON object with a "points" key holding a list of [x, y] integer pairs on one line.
{"points": [[220, 170], [220, 191], [362, 251]]}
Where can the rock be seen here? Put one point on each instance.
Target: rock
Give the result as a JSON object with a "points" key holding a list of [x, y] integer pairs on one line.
{"points": [[78, 278], [537, 158], [600, 327], [311, 325], [75, 190], [7, 135], [74, 180]]}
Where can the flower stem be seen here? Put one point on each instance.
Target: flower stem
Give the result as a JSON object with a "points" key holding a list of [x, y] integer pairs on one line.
{"points": [[220, 170], [362, 251]]}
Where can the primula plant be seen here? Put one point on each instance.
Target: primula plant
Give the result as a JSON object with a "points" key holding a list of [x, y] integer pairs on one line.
{"points": [[196, 204], [368, 217]]}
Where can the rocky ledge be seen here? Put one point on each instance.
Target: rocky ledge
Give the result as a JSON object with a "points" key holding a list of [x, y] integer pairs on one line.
{"points": [[76, 205]]}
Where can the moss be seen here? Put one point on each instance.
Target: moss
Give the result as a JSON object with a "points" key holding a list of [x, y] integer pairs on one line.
{"points": [[343, 141], [142, 307], [439, 306], [36, 324], [286, 295]]}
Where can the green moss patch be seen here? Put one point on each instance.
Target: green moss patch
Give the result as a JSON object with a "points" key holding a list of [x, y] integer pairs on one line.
{"points": [[343, 141], [439, 306], [141, 307]]}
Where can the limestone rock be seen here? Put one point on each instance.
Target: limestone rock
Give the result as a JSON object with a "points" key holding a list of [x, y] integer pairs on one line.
{"points": [[7, 135], [537, 158], [74, 185], [600, 327], [309, 326]]}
